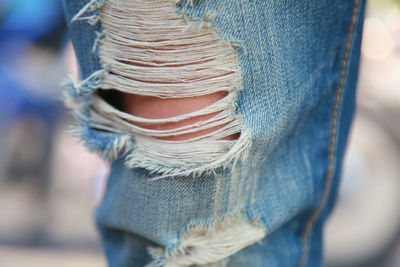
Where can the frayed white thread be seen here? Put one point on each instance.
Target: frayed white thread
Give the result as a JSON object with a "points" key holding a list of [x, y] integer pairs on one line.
{"points": [[98, 41], [151, 53], [90, 7], [202, 246], [106, 109], [86, 86], [106, 114], [170, 158], [239, 151], [185, 2]]}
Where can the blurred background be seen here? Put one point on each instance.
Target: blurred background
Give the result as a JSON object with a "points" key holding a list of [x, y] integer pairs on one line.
{"points": [[50, 185], [364, 229]]}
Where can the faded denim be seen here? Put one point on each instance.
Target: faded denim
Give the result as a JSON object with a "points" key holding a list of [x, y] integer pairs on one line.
{"points": [[298, 63]]}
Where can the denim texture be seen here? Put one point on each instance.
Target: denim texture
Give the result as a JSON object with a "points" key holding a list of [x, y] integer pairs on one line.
{"points": [[298, 63]]}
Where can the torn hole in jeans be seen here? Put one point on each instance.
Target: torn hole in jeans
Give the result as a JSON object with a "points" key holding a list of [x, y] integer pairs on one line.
{"points": [[167, 90]]}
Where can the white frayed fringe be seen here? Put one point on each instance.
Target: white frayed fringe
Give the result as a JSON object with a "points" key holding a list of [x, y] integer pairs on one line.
{"points": [[202, 246]]}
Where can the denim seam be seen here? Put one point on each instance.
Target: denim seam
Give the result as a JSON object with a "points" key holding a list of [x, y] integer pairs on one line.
{"points": [[332, 141]]}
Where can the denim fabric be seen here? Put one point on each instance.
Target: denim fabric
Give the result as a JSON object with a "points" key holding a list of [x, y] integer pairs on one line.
{"points": [[298, 62]]}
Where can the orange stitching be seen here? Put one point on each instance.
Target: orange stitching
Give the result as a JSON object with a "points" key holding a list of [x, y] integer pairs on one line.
{"points": [[329, 176]]}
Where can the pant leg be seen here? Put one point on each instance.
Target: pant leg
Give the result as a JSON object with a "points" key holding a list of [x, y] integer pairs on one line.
{"points": [[260, 200]]}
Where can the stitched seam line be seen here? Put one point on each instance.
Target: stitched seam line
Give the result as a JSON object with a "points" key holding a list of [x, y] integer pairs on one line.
{"points": [[332, 143]]}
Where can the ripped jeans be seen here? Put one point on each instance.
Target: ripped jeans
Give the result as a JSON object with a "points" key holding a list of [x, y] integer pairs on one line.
{"points": [[288, 72]]}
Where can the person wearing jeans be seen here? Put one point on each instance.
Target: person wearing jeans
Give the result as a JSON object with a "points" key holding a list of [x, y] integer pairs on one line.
{"points": [[225, 123]]}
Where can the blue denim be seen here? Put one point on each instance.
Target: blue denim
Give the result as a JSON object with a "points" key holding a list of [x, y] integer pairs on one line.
{"points": [[298, 63]]}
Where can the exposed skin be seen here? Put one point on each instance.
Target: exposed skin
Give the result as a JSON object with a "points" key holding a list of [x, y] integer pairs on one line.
{"points": [[156, 108]]}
